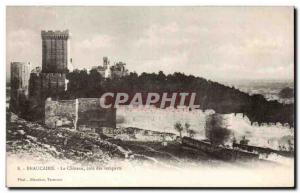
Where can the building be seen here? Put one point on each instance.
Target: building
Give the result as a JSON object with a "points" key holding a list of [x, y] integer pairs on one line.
{"points": [[46, 85], [20, 72], [50, 81], [56, 51], [106, 62], [104, 69], [118, 70], [111, 71]]}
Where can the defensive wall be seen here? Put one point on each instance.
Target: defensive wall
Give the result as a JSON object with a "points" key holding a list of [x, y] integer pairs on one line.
{"points": [[42, 86], [84, 114]]}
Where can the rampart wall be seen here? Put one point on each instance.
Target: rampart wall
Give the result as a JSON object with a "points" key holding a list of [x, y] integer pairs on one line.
{"points": [[60, 113], [80, 114], [42, 86]]}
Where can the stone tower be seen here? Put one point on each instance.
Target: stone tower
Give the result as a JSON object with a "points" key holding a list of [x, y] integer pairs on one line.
{"points": [[105, 62], [51, 80], [56, 51], [20, 73]]}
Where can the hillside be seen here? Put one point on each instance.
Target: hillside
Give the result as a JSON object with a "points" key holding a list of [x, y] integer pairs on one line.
{"points": [[209, 94], [32, 141]]}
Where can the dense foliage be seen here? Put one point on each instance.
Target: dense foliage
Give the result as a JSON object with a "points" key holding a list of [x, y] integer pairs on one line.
{"points": [[210, 95], [286, 93]]}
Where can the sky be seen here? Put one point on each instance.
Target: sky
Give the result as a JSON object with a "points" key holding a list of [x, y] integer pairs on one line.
{"points": [[217, 43]]}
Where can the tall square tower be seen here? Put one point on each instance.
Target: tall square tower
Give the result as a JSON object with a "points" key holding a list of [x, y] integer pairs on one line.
{"points": [[55, 51], [20, 73], [19, 79]]}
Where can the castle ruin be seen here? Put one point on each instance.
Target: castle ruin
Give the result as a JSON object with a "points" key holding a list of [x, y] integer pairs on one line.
{"points": [[111, 71], [37, 95], [50, 81], [19, 85], [56, 51], [83, 114]]}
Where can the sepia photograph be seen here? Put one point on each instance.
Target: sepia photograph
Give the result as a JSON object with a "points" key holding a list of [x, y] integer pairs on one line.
{"points": [[142, 96]]}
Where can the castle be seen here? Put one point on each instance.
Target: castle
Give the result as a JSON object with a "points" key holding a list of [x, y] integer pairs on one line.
{"points": [[50, 81], [111, 71], [36, 95]]}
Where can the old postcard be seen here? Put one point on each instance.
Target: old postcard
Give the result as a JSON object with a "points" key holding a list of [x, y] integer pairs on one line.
{"points": [[150, 96]]}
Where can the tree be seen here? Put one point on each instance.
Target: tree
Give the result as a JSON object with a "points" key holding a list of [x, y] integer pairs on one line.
{"points": [[187, 126], [178, 127], [286, 93], [209, 94], [190, 132], [216, 129]]}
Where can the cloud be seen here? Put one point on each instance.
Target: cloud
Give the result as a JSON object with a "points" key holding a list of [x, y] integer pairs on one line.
{"points": [[20, 40], [23, 45], [159, 36], [215, 51], [213, 42], [89, 52], [98, 41]]}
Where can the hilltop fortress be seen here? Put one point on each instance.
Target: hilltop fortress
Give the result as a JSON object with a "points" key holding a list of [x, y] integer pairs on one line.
{"points": [[32, 91], [50, 81], [38, 95]]}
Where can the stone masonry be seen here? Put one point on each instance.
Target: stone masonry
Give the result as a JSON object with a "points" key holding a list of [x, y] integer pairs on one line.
{"points": [[19, 85], [84, 114], [55, 51]]}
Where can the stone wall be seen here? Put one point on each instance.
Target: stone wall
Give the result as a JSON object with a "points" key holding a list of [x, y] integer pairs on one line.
{"points": [[60, 113], [80, 114], [136, 134], [163, 120], [20, 72], [19, 86], [219, 151], [42, 86], [92, 116], [46, 84]]}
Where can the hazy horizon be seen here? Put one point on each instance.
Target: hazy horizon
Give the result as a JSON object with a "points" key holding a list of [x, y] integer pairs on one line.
{"points": [[216, 43]]}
